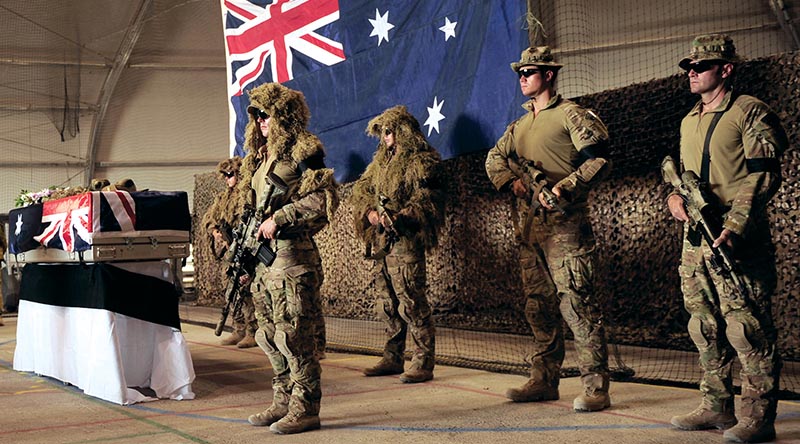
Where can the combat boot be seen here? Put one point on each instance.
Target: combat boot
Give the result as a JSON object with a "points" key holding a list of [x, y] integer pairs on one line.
{"points": [[595, 394], [233, 339], [248, 342], [384, 367], [278, 410], [415, 375], [750, 430], [533, 391], [295, 422], [704, 418]]}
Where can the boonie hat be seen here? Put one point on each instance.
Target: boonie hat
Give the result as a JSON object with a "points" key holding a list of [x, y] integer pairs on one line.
{"points": [[537, 56], [711, 47]]}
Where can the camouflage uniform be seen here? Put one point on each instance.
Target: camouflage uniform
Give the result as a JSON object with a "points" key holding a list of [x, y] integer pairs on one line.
{"points": [[744, 174], [405, 174], [566, 143], [286, 294], [223, 215]]}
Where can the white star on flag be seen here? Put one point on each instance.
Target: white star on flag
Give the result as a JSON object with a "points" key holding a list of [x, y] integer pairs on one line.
{"points": [[381, 26], [449, 28], [434, 116]]}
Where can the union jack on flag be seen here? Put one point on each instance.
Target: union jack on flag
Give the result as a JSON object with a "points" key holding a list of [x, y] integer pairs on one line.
{"points": [[272, 32], [70, 221]]}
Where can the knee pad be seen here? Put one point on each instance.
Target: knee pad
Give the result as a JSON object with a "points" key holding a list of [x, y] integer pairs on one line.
{"points": [[282, 342], [696, 332], [263, 342], [737, 336]]}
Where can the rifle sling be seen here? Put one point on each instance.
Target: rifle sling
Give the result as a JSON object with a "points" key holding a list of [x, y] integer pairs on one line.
{"points": [[705, 166]]}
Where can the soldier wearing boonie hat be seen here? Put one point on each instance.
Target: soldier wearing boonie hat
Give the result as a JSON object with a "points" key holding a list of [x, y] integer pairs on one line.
{"points": [[733, 142], [711, 47], [565, 148]]}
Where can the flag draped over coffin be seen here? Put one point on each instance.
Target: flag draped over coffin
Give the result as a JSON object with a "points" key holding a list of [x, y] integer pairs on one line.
{"points": [[446, 60]]}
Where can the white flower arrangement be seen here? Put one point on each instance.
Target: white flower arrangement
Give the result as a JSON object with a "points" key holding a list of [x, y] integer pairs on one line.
{"points": [[26, 197]]}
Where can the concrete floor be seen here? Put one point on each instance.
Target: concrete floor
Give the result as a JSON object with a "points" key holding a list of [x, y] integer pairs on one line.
{"points": [[458, 406]]}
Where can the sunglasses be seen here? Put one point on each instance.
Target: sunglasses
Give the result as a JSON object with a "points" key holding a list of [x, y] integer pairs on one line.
{"points": [[228, 174], [260, 114], [527, 72], [701, 67], [387, 131]]}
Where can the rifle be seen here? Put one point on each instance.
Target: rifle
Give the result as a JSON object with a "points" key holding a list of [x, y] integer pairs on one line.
{"points": [[533, 178], [246, 251], [701, 214], [389, 230]]}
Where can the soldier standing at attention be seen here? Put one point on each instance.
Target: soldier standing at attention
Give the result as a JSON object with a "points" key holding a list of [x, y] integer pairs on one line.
{"points": [[397, 204], [563, 146], [732, 142], [286, 293], [219, 222]]}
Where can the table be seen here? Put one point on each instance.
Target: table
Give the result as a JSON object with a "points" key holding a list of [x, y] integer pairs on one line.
{"points": [[104, 328]]}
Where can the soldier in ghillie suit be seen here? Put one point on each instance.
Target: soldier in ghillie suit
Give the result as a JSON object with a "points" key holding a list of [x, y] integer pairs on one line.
{"points": [[733, 143], [286, 294], [561, 145], [397, 206], [218, 223]]}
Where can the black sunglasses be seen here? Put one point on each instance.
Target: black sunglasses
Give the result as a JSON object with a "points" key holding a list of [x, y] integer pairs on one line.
{"points": [[228, 174], [701, 66], [260, 113], [527, 72], [387, 131]]}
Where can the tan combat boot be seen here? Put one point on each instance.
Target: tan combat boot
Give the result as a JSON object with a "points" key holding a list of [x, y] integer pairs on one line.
{"points": [[384, 367], [295, 422], [536, 389], [278, 409], [248, 342], [757, 414], [415, 375], [750, 430], [704, 417], [233, 339], [595, 394]]}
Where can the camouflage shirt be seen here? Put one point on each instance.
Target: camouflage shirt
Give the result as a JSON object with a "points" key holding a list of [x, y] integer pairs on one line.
{"points": [[744, 172], [560, 141]]}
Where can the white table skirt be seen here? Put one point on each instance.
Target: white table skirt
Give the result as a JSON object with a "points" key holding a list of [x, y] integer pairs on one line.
{"points": [[103, 353]]}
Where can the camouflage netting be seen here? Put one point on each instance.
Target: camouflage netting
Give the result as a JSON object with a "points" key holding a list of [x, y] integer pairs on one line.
{"points": [[474, 274], [207, 276]]}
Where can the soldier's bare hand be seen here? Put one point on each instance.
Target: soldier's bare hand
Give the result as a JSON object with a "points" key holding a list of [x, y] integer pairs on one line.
{"points": [[676, 207], [727, 237], [244, 279], [267, 229], [518, 188], [373, 217]]}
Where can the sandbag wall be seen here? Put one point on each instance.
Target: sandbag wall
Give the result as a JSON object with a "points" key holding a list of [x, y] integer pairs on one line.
{"points": [[474, 276]]}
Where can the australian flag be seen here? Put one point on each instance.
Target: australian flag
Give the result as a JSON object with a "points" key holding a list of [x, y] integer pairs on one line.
{"points": [[71, 223], [446, 60]]}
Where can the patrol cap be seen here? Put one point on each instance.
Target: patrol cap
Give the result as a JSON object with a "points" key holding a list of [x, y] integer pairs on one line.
{"points": [[537, 56], [711, 47]]}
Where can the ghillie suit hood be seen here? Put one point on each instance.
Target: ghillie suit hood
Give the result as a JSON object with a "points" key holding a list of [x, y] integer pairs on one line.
{"points": [[226, 209], [408, 174], [288, 140]]}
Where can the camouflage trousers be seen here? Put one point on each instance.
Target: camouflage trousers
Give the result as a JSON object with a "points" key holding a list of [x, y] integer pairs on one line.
{"points": [[288, 310], [724, 324], [402, 305], [244, 321], [557, 262]]}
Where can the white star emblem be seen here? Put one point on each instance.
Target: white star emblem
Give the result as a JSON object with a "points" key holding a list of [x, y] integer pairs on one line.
{"points": [[434, 116], [19, 225], [449, 29], [381, 26]]}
